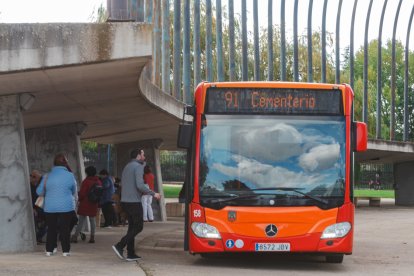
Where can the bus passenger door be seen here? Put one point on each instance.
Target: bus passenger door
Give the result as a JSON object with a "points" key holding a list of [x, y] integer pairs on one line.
{"points": [[185, 141]]}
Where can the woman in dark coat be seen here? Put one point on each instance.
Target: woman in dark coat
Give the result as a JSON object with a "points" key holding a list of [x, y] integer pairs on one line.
{"points": [[86, 207]]}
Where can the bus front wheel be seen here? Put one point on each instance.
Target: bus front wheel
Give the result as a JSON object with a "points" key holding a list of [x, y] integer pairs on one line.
{"points": [[336, 259]]}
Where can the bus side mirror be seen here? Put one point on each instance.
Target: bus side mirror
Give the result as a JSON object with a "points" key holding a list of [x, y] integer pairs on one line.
{"points": [[185, 131], [361, 136]]}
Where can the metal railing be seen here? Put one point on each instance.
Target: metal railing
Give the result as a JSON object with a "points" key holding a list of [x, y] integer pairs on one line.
{"points": [[224, 41], [376, 177], [173, 166]]}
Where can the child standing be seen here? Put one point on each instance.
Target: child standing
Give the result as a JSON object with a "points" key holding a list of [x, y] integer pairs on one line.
{"points": [[147, 198]]}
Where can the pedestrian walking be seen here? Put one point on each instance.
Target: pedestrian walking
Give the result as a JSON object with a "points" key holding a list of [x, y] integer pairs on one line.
{"points": [[132, 189]]}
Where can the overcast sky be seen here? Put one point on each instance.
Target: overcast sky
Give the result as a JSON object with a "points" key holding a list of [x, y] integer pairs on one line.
{"points": [[45, 11]]}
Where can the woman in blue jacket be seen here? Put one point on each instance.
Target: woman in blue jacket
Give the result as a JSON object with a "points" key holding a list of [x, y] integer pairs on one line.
{"points": [[60, 195]]}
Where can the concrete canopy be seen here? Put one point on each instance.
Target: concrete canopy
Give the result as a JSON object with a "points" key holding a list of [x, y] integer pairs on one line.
{"points": [[105, 96], [381, 151], [103, 89]]}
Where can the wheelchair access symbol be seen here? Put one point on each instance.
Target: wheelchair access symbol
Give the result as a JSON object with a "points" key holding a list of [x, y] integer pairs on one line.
{"points": [[229, 243]]}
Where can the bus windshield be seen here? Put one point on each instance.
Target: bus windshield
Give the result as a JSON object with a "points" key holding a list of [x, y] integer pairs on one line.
{"points": [[268, 160]]}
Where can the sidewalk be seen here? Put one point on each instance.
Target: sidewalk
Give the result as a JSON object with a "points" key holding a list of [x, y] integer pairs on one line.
{"points": [[98, 258], [93, 259]]}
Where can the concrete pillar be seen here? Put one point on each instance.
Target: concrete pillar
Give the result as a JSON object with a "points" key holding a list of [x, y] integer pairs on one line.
{"points": [[16, 216], [404, 183], [156, 165], [43, 144], [152, 154]]}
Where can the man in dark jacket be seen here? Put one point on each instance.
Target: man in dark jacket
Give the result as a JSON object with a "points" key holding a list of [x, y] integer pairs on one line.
{"points": [[106, 199], [133, 187]]}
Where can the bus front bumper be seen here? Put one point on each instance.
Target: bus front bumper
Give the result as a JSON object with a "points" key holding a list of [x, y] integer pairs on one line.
{"points": [[300, 244]]}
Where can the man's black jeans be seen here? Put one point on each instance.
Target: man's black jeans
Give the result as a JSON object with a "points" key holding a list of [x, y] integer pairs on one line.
{"points": [[108, 212], [135, 225]]}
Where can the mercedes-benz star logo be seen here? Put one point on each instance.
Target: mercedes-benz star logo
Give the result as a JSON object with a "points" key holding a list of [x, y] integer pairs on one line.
{"points": [[271, 230]]}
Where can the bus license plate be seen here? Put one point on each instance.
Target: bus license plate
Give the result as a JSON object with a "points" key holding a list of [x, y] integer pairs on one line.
{"points": [[272, 246]]}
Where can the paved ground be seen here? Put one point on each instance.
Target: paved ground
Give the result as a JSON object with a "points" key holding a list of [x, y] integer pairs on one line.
{"points": [[93, 259], [383, 246], [98, 258]]}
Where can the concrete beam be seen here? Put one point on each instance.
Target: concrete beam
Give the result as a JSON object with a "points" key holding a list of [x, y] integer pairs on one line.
{"points": [[382, 151], [39, 46], [89, 73]]}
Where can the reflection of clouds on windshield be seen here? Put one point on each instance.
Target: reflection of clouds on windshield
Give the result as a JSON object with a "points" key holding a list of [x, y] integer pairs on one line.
{"points": [[264, 175], [254, 142], [320, 157], [312, 138], [270, 141], [217, 136], [214, 138]]}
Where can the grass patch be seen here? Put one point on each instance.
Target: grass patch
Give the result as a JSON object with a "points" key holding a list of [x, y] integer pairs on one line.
{"points": [[375, 193], [171, 191]]}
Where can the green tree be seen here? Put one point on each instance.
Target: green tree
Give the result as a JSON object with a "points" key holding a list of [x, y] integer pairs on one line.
{"points": [[386, 89], [302, 60]]}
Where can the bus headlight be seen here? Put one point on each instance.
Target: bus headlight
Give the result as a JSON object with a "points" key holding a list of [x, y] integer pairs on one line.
{"points": [[204, 230], [337, 230]]}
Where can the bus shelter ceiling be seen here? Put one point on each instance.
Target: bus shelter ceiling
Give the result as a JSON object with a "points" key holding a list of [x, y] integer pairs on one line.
{"points": [[105, 96]]}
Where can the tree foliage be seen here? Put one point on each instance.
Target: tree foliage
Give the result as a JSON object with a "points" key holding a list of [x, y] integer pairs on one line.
{"points": [[386, 89], [316, 68], [101, 16]]}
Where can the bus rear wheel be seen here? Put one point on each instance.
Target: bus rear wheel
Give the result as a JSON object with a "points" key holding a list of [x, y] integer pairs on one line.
{"points": [[335, 259]]}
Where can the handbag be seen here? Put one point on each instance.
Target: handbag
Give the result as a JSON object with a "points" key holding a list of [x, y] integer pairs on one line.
{"points": [[40, 201]]}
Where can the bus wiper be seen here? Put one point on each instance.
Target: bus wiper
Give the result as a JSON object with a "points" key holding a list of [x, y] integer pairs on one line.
{"points": [[221, 195], [233, 197], [296, 190]]}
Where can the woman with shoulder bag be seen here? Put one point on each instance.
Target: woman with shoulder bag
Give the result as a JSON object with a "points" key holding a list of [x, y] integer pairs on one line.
{"points": [[59, 204]]}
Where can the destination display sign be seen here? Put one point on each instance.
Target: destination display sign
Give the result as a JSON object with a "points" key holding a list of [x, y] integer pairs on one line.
{"points": [[273, 101]]}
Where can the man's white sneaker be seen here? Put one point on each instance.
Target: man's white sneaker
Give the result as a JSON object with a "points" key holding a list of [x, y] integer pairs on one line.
{"points": [[48, 254], [55, 250], [66, 254]]}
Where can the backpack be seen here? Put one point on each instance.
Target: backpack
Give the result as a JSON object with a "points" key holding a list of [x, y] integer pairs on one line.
{"points": [[95, 193]]}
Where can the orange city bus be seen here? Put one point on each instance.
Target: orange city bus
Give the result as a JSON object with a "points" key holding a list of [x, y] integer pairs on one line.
{"points": [[270, 168]]}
